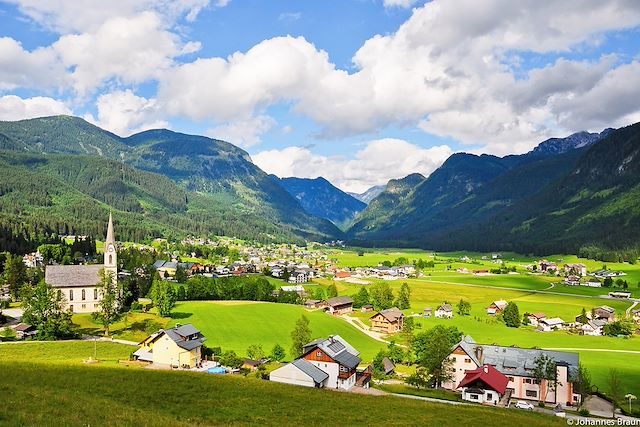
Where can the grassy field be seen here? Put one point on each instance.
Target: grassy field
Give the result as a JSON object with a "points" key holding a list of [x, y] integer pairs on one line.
{"points": [[235, 325], [53, 395], [132, 327], [64, 352]]}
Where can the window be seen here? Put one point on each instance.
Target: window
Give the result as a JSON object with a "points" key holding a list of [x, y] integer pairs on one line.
{"points": [[473, 396], [59, 294], [71, 308], [319, 354], [343, 369], [95, 293], [467, 360], [84, 305], [453, 359], [527, 381], [489, 396], [532, 393], [110, 259], [84, 295], [510, 379], [71, 295]]}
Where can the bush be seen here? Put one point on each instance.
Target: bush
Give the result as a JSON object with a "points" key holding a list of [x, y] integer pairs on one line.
{"points": [[541, 404], [4, 304], [136, 306], [584, 412]]}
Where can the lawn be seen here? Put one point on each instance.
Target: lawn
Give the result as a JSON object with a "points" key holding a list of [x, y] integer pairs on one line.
{"points": [[235, 325], [64, 352], [53, 395], [132, 327]]}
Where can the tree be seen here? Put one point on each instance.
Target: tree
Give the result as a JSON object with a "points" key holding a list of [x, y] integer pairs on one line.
{"points": [[378, 364], [546, 370], [181, 295], [110, 300], [381, 296], [278, 353], [404, 297], [332, 291], [511, 315], [318, 293], [255, 352], [420, 379], [163, 296], [464, 307], [15, 274], [300, 336], [583, 316], [619, 327], [231, 360], [395, 352], [44, 308], [432, 349], [361, 298], [181, 275], [615, 389], [608, 282], [582, 382]]}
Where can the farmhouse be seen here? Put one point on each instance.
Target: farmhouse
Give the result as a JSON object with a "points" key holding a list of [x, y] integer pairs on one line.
{"points": [[339, 305], [548, 266], [518, 365], [24, 331], [445, 311], [329, 362], [606, 313], [575, 269], [483, 385], [388, 321], [536, 318], [496, 307], [79, 284], [367, 308], [593, 327], [428, 312], [299, 289], [553, 324], [178, 347]]}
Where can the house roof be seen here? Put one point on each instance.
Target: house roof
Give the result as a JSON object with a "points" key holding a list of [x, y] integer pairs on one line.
{"points": [[553, 321], [606, 308], [391, 314], [159, 263], [339, 301], [445, 307], [24, 327], [389, 366], [538, 315], [181, 336], [488, 375], [336, 348], [63, 276], [515, 360], [317, 374]]}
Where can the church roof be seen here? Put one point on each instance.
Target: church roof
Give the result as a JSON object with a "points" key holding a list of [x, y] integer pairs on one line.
{"points": [[110, 238], [65, 276]]}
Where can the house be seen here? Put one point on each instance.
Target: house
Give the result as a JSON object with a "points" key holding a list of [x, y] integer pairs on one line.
{"points": [[620, 294], [388, 321], [299, 289], [252, 365], [572, 280], [339, 305], [552, 324], [484, 384], [635, 314], [535, 318], [462, 270], [593, 327], [606, 313], [341, 275], [445, 311], [548, 266], [518, 365], [178, 347], [298, 277], [388, 365], [312, 303], [330, 362], [428, 312], [481, 272], [496, 307], [79, 285], [592, 283], [168, 269], [575, 269], [24, 331], [367, 308]]}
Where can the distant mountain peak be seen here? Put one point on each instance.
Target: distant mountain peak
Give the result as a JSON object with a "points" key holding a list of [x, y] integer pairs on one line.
{"points": [[554, 146], [370, 194]]}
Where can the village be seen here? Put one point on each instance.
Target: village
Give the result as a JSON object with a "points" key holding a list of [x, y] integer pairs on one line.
{"points": [[479, 373]]}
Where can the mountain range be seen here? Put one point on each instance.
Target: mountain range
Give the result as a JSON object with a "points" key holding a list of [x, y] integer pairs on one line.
{"points": [[62, 175]]}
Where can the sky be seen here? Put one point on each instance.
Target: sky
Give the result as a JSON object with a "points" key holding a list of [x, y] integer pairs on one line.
{"points": [[356, 91]]}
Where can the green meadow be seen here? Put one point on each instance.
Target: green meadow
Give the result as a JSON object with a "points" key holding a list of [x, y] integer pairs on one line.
{"points": [[73, 395]]}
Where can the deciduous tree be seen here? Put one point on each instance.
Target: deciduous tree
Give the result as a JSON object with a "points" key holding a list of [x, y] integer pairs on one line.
{"points": [[300, 336]]}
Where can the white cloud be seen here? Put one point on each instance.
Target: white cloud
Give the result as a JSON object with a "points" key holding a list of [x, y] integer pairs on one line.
{"points": [[245, 133], [39, 68], [125, 113], [289, 16], [73, 16], [377, 163], [129, 49], [405, 4], [15, 108]]}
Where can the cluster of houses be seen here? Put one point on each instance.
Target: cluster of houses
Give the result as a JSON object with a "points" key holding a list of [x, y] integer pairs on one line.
{"points": [[379, 272]]}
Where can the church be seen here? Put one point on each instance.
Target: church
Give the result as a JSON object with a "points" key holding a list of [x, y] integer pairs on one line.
{"points": [[79, 284]]}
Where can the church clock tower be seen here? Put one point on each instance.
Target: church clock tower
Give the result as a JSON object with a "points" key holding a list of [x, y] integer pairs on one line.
{"points": [[110, 250]]}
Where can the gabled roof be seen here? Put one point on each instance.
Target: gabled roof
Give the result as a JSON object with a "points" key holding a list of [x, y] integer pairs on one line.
{"points": [[336, 348], [185, 336], [488, 375], [445, 307], [391, 314], [159, 263], [62, 276], [538, 315], [339, 301], [317, 374]]}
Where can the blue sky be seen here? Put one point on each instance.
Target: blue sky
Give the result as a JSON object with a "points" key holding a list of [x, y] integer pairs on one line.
{"points": [[358, 91]]}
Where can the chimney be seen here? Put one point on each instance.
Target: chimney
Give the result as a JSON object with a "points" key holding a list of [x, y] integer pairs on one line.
{"points": [[479, 355], [485, 368]]}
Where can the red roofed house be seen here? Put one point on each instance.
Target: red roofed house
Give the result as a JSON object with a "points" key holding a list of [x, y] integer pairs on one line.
{"points": [[343, 275], [483, 385]]}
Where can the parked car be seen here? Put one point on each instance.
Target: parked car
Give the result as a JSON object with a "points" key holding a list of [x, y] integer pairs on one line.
{"points": [[520, 404]]}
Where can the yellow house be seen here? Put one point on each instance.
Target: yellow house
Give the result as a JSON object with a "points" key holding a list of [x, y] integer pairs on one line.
{"points": [[178, 347]]}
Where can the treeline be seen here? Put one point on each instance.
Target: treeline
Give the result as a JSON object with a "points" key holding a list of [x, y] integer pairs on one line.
{"points": [[247, 288], [621, 255]]}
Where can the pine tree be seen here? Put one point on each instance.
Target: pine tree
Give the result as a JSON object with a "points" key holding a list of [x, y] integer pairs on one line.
{"points": [[511, 315], [404, 297]]}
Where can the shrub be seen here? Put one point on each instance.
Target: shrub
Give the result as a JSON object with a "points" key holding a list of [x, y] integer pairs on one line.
{"points": [[584, 412]]}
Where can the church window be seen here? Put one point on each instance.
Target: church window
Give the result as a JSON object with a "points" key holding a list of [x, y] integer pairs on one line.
{"points": [[95, 294], [84, 295], [110, 259], [71, 295]]}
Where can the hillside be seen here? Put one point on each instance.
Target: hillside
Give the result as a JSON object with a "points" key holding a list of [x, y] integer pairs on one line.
{"points": [[179, 183], [491, 203], [321, 199], [370, 194], [66, 392]]}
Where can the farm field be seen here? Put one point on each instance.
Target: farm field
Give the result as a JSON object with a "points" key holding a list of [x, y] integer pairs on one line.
{"points": [[63, 352], [235, 325], [95, 395]]}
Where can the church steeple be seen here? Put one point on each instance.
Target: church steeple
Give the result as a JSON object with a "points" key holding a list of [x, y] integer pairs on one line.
{"points": [[110, 249]]}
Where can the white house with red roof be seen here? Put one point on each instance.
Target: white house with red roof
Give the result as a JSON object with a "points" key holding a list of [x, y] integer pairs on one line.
{"points": [[483, 385]]}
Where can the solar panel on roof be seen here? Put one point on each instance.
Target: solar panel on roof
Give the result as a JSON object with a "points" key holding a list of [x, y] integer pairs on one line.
{"points": [[336, 346]]}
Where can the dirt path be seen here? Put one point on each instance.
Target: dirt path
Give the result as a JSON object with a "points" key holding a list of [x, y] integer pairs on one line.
{"points": [[357, 323], [631, 308]]}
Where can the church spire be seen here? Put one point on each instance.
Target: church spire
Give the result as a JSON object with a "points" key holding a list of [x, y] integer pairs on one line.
{"points": [[110, 238]]}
